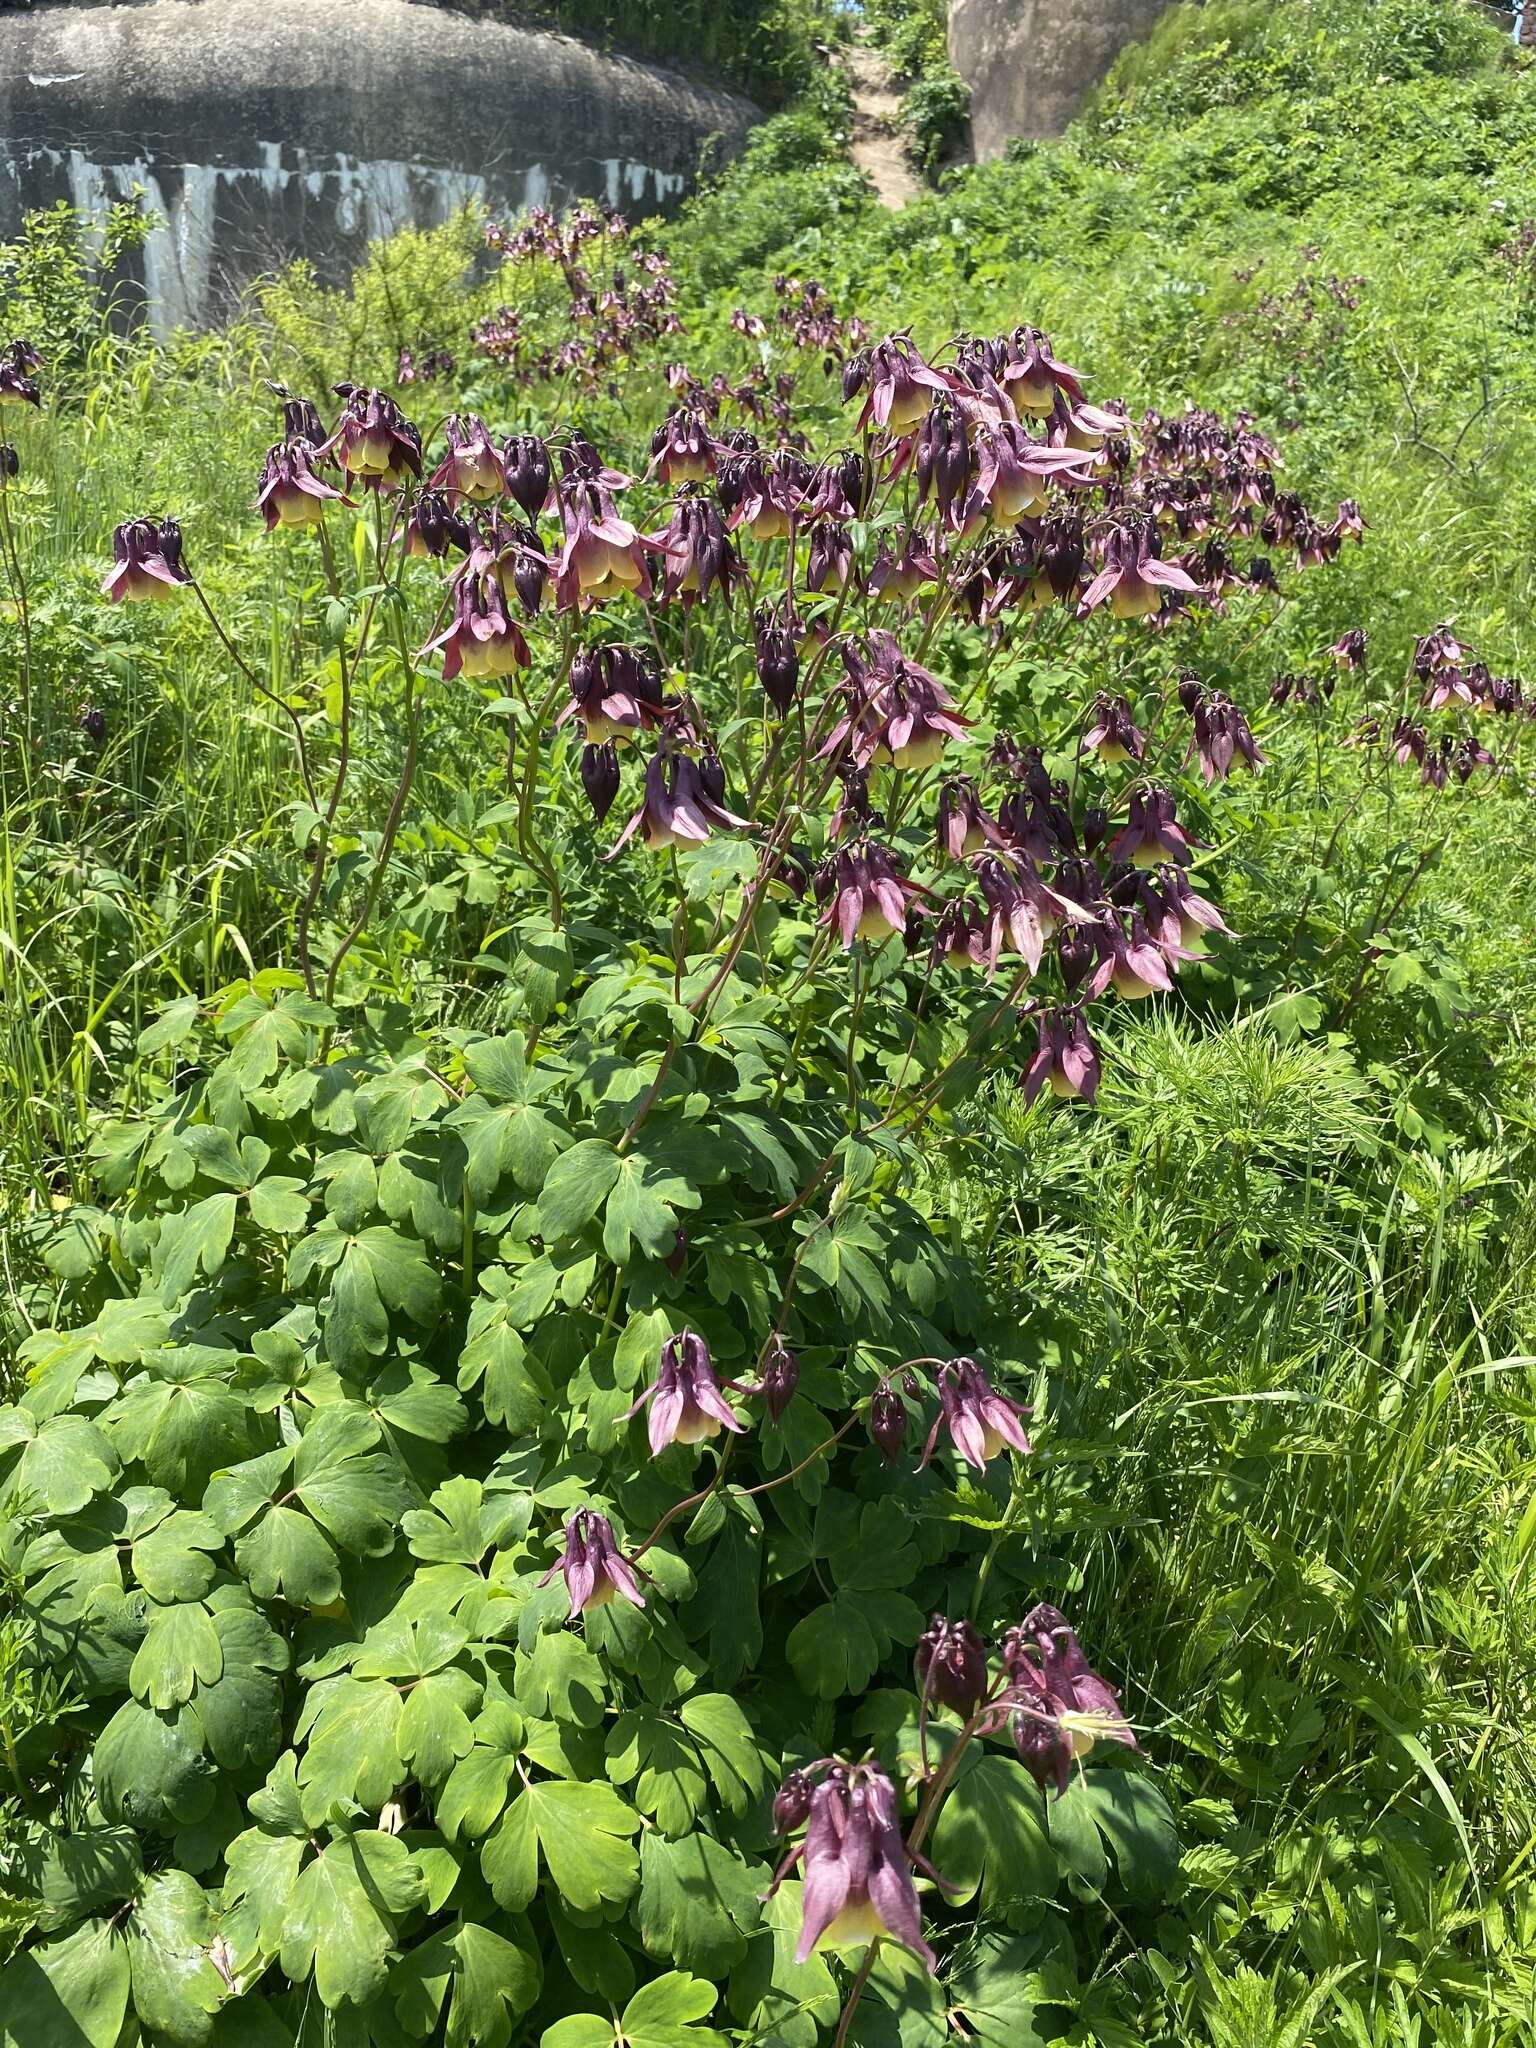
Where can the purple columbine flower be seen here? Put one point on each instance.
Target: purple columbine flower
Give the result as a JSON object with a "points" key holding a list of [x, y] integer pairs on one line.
{"points": [[374, 441], [434, 527], [699, 554], [792, 1803], [863, 894], [1023, 912], [829, 559], [677, 808], [895, 579], [1349, 649], [901, 387], [1066, 1059], [681, 451], [1152, 832], [961, 823], [17, 386], [1134, 577], [951, 1664], [594, 1567], [959, 935], [686, 1402], [858, 1874], [1221, 737], [603, 555], [980, 1421], [615, 692], [1013, 472], [1112, 732], [1060, 1705], [146, 562], [1031, 374], [471, 468], [289, 493], [944, 461], [482, 639], [765, 493]]}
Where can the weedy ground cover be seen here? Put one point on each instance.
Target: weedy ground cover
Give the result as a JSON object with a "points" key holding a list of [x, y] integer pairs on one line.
{"points": [[767, 1141]]}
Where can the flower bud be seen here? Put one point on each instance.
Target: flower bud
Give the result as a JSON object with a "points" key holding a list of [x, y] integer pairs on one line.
{"points": [[780, 1377], [952, 1664], [1189, 689], [600, 777], [792, 1803], [887, 1424], [525, 465]]}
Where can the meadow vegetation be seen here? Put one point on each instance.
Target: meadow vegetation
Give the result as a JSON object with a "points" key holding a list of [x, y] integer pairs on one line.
{"points": [[374, 1134]]}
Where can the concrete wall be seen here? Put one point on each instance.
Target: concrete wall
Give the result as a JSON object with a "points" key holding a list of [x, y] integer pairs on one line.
{"points": [[266, 129], [1030, 63]]}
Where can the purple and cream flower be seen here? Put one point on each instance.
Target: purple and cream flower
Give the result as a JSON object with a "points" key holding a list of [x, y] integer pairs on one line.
{"points": [[290, 493], [681, 450], [678, 807], [1221, 737], [1032, 376], [980, 1421], [374, 442], [1112, 732], [1134, 578], [951, 1662], [482, 639], [863, 894], [471, 468], [615, 692], [1060, 1705], [858, 1872], [594, 1567], [962, 825], [901, 387], [146, 562], [1152, 832], [686, 1403], [18, 359], [603, 555], [1066, 1060]]}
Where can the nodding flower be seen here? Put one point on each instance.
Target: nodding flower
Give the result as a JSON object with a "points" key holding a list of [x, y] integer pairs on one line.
{"points": [[525, 470], [290, 494], [1066, 1060], [1349, 649], [915, 714], [678, 807], [829, 559], [1348, 522], [901, 386], [1032, 376], [959, 935], [900, 577], [1409, 742], [1130, 961], [699, 554], [1134, 578], [1013, 472], [779, 1377], [1439, 649], [603, 556], [146, 562], [374, 441], [1449, 684], [681, 451], [1152, 832], [471, 468], [764, 493], [951, 1662], [1023, 911], [522, 568], [858, 1870], [1060, 1705], [792, 1802], [1470, 756], [17, 386], [1038, 823], [685, 1400], [1112, 732], [615, 692], [961, 823], [843, 487], [594, 1567], [599, 773], [434, 527], [481, 639], [776, 631], [1179, 919], [981, 1422], [863, 894], [1222, 736]]}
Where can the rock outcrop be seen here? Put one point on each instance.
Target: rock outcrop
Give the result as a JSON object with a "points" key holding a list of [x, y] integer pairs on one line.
{"points": [[1029, 63], [261, 130]]}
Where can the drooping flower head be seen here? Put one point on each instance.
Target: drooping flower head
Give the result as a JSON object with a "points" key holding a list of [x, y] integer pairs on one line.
{"points": [[679, 807], [1221, 737], [699, 554], [1061, 1706], [685, 1399], [374, 441], [482, 639], [681, 451], [901, 387], [780, 1375], [979, 1420], [887, 1423], [18, 359], [858, 1874], [290, 493], [615, 692], [778, 654], [1066, 1060], [603, 556], [863, 893], [525, 469], [1031, 374], [1112, 732], [434, 527], [1349, 649], [961, 824], [951, 1664], [146, 562], [1152, 832], [593, 1566], [471, 468], [599, 773], [1134, 576], [1023, 911]]}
